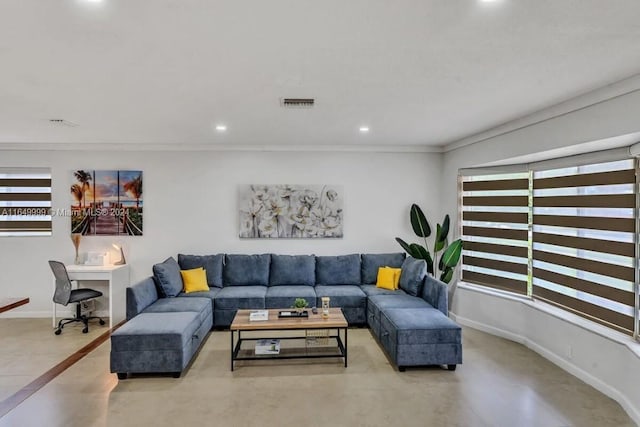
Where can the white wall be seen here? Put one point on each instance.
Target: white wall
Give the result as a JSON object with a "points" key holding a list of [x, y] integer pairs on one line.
{"points": [[602, 362], [190, 202]]}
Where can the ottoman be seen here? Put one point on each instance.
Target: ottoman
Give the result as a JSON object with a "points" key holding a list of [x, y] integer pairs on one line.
{"points": [[157, 342], [420, 336]]}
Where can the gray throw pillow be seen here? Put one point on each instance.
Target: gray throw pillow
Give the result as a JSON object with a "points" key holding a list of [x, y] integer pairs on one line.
{"points": [[413, 271], [168, 276]]}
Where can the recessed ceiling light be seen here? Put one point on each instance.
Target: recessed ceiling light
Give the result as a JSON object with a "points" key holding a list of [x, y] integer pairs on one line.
{"points": [[221, 128], [364, 129], [489, 1]]}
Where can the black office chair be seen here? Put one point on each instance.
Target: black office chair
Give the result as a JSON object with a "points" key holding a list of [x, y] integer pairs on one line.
{"points": [[64, 294]]}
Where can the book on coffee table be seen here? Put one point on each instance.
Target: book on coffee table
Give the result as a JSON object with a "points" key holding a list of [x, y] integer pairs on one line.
{"points": [[259, 315], [268, 346]]}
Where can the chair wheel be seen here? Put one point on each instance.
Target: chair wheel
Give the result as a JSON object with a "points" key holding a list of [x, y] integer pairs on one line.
{"points": [[58, 331], [85, 330], [101, 322]]}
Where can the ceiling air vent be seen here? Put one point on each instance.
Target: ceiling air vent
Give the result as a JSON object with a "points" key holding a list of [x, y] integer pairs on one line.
{"points": [[62, 122], [298, 102]]}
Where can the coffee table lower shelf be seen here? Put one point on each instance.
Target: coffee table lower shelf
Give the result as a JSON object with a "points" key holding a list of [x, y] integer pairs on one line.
{"points": [[300, 352]]}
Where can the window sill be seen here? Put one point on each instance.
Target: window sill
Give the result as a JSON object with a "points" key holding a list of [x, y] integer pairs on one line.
{"points": [[596, 328]]}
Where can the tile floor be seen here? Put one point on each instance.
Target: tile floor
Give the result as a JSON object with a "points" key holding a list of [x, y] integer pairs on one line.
{"points": [[501, 383]]}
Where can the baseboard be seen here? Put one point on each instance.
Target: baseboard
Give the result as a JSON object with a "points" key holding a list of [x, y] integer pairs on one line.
{"points": [[20, 314], [601, 386]]}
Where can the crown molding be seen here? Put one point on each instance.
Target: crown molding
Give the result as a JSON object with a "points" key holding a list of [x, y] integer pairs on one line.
{"points": [[36, 146]]}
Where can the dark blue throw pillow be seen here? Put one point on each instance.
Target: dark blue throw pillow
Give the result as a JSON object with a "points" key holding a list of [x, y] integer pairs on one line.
{"points": [[168, 277], [413, 271]]}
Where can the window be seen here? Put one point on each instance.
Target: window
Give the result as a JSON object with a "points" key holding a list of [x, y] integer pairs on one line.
{"points": [[495, 230], [565, 235], [25, 202], [583, 241]]}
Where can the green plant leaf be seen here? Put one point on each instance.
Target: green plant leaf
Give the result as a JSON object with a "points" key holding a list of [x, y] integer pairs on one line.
{"points": [[419, 222], [451, 255], [404, 245], [444, 230], [419, 251], [446, 275], [438, 244], [429, 263]]}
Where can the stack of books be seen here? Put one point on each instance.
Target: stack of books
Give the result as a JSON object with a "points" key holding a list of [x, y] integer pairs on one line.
{"points": [[269, 346]]}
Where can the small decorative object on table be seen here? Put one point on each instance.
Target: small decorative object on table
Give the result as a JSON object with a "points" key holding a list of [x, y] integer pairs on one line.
{"points": [[300, 304], [259, 315], [75, 238], [325, 307]]}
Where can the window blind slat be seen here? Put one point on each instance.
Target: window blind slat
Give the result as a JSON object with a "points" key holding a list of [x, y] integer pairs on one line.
{"points": [[496, 201], [501, 184], [588, 222], [498, 233], [587, 201], [26, 197], [25, 225], [513, 217], [517, 251], [586, 179], [495, 264], [25, 182]]}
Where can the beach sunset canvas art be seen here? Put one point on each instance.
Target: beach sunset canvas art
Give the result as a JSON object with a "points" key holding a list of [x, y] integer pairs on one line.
{"points": [[106, 202], [291, 211]]}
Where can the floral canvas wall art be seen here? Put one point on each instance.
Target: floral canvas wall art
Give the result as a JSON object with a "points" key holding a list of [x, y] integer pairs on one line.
{"points": [[106, 202], [291, 211]]}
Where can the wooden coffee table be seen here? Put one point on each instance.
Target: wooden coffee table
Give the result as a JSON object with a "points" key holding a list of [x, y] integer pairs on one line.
{"points": [[335, 321]]}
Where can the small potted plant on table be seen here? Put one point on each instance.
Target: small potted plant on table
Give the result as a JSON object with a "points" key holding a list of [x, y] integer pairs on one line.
{"points": [[300, 304]]}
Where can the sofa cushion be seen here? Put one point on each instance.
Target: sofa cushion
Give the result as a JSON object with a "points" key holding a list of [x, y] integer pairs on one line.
{"points": [[247, 270], [202, 306], [349, 296], [283, 296], [292, 270], [372, 262], [421, 326], [156, 331], [383, 302], [413, 271], [240, 297], [371, 290], [211, 263], [167, 273], [338, 270]]}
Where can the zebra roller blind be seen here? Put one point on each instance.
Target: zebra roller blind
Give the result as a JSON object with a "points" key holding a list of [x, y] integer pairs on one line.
{"points": [[495, 211], [25, 202], [584, 240]]}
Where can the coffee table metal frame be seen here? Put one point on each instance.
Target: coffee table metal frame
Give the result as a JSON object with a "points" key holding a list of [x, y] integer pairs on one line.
{"points": [[240, 324]]}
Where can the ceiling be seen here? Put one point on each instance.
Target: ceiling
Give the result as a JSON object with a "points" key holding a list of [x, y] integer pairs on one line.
{"points": [[418, 73]]}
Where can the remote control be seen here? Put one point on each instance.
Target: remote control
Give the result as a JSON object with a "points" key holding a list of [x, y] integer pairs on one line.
{"points": [[314, 310]]}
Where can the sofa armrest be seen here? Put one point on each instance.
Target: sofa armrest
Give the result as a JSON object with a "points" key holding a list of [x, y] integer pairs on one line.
{"points": [[140, 296], [436, 293]]}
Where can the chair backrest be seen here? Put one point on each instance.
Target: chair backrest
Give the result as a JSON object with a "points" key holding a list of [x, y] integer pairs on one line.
{"points": [[62, 293]]}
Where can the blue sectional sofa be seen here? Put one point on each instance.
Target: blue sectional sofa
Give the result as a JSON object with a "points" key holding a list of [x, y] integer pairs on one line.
{"points": [[410, 323]]}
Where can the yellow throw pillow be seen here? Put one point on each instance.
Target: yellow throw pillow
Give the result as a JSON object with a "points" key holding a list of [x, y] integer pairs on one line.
{"points": [[396, 276], [194, 280], [386, 277]]}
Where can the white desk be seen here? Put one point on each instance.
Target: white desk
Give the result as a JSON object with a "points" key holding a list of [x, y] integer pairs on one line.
{"points": [[118, 278]]}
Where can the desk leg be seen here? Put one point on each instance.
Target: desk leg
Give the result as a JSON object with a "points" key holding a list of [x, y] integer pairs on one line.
{"points": [[231, 350]]}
